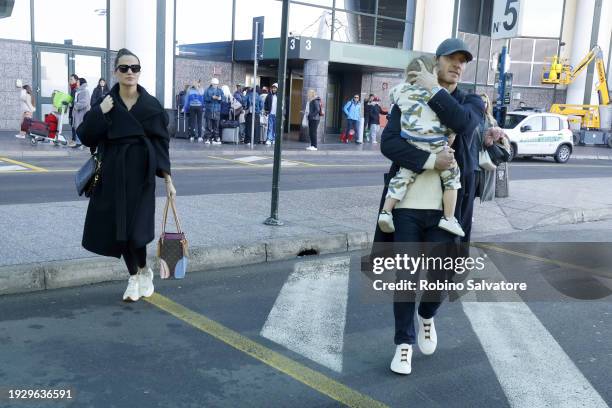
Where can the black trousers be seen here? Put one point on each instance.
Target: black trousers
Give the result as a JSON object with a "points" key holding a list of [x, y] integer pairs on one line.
{"points": [[414, 226], [135, 258], [313, 125], [195, 121], [212, 125], [257, 135]]}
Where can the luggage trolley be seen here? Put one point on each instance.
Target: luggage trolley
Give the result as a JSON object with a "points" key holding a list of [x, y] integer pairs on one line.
{"points": [[51, 129]]}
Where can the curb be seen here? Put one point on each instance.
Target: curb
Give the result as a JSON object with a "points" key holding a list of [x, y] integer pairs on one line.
{"points": [[575, 216], [25, 278]]}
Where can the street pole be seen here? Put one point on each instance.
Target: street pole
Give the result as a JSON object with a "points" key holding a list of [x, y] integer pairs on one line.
{"points": [[255, 57], [280, 111]]}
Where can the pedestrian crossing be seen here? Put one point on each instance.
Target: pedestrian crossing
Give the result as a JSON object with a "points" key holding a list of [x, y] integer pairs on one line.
{"points": [[6, 167], [309, 318], [264, 161]]}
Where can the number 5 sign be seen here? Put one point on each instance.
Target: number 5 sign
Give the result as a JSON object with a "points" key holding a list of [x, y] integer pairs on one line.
{"points": [[505, 21]]}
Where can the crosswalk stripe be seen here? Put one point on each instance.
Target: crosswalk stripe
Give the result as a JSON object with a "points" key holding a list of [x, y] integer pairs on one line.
{"points": [[284, 163], [530, 365], [309, 314], [250, 159], [12, 168]]}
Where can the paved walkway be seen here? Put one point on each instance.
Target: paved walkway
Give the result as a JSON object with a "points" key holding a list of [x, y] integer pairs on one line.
{"points": [[11, 146], [52, 231]]}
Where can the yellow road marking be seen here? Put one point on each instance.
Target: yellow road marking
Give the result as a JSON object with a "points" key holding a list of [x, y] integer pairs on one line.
{"points": [[540, 259], [313, 379], [29, 166], [237, 161], [300, 162]]}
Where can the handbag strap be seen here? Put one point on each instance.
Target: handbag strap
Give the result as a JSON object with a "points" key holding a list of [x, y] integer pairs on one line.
{"points": [[170, 203]]}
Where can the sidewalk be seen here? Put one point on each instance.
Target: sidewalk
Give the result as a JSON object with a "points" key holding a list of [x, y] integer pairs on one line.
{"points": [[19, 148], [41, 245]]}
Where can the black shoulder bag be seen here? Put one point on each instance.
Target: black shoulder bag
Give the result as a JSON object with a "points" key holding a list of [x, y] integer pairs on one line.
{"points": [[88, 176]]}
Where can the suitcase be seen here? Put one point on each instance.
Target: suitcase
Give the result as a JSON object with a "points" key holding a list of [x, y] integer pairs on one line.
{"points": [[39, 128], [182, 130], [229, 124], [230, 135]]}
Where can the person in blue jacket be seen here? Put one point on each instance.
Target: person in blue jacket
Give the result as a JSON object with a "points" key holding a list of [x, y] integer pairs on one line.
{"points": [[248, 107], [352, 110], [212, 99], [194, 104]]}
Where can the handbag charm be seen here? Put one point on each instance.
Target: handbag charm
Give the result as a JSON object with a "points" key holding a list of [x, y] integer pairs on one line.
{"points": [[172, 248]]}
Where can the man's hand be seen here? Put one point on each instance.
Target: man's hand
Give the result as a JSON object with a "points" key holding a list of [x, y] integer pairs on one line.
{"points": [[494, 134], [445, 159], [423, 78]]}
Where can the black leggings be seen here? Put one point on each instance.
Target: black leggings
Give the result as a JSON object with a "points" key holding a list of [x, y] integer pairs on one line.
{"points": [[312, 131], [135, 258]]}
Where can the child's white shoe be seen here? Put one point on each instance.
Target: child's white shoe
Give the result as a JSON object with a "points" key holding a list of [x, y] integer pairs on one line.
{"points": [[451, 225], [385, 222]]}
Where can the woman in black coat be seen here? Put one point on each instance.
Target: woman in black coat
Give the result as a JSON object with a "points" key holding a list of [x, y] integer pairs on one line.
{"points": [[99, 92], [129, 127]]}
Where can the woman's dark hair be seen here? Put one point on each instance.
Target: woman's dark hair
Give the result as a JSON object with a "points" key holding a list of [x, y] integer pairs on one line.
{"points": [[100, 80], [122, 53], [75, 76], [82, 81], [28, 89]]}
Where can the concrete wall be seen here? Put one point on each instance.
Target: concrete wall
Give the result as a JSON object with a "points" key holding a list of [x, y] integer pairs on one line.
{"points": [[536, 97], [15, 63], [187, 70]]}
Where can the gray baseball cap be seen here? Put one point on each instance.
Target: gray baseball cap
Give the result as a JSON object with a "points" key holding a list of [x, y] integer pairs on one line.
{"points": [[453, 45]]}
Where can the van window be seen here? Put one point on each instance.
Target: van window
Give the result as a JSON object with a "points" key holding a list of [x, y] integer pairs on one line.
{"points": [[535, 123], [512, 120], [552, 123]]}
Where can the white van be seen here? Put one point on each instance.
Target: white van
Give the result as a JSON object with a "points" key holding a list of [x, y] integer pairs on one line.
{"points": [[534, 133]]}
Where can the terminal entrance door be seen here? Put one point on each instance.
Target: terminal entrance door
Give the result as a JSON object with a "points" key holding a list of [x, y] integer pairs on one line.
{"points": [[55, 65]]}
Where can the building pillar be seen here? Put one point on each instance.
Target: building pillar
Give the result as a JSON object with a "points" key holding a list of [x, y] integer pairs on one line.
{"points": [[437, 24], [140, 35], [315, 77], [581, 44]]}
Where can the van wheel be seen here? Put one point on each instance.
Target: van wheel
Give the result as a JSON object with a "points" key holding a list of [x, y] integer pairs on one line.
{"points": [[563, 154]]}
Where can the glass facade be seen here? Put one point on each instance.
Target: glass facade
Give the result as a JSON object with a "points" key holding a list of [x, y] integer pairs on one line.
{"points": [[370, 22], [86, 26], [17, 26]]}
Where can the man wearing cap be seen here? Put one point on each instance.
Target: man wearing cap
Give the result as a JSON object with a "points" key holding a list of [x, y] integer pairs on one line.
{"points": [[416, 217], [270, 110], [212, 99]]}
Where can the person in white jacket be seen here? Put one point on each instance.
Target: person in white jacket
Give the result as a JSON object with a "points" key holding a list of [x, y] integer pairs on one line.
{"points": [[26, 102]]}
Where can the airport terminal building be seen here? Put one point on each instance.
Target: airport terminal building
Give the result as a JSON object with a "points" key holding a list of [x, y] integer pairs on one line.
{"points": [[336, 47]]}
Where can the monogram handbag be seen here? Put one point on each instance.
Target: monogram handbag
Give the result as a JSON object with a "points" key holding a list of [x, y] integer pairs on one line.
{"points": [[88, 176], [172, 247]]}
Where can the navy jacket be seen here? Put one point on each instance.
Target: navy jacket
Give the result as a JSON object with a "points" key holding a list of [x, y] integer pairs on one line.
{"points": [[460, 112]]}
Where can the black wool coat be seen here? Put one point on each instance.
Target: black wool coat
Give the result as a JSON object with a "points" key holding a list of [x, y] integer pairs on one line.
{"points": [[135, 148]]}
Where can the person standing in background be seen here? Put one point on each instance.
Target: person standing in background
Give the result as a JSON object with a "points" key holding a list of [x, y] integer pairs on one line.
{"points": [[212, 109], [314, 112], [99, 92], [73, 82], [194, 103], [27, 105], [374, 112], [270, 110], [352, 110], [82, 105]]}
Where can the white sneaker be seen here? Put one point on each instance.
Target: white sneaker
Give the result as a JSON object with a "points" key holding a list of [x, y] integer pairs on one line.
{"points": [[385, 222], [20, 136], [217, 142], [132, 292], [207, 141], [200, 140], [402, 360], [191, 139], [268, 143], [427, 338], [451, 225], [374, 142], [145, 282], [312, 148]]}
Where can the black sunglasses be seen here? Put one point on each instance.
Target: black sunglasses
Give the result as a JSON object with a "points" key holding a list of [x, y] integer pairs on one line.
{"points": [[124, 68]]}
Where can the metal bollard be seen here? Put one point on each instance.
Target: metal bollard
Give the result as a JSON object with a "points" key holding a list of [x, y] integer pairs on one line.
{"points": [[502, 181]]}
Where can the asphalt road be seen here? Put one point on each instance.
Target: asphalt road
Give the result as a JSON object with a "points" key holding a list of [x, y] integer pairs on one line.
{"points": [[52, 177], [212, 340]]}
